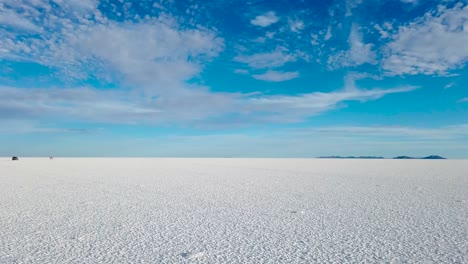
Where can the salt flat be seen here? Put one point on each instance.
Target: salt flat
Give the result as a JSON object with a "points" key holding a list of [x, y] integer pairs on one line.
{"points": [[233, 211]]}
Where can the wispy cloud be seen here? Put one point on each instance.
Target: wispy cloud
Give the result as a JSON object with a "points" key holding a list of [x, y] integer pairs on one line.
{"points": [[295, 25], [31, 126], [241, 71], [276, 76], [358, 53], [79, 103], [350, 5], [392, 132], [410, 1], [127, 107], [449, 85], [265, 20], [463, 100], [329, 34], [277, 58], [300, 106]]}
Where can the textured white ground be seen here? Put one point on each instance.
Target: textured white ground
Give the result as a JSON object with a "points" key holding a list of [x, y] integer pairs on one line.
{"points": [[233, 211]]}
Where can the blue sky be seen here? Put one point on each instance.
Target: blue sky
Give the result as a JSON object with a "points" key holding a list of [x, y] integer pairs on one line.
{"points": [[233, 78]]}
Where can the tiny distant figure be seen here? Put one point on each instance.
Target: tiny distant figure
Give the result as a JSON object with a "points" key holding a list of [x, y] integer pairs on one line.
{"points": [[51, 157], [14, 158]]}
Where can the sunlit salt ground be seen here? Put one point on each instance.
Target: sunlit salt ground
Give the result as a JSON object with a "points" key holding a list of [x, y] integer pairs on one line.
{"points": [[233, 211]]}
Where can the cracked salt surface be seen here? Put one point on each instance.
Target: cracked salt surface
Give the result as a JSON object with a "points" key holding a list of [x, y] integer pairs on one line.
{"points": [[233, 211]]}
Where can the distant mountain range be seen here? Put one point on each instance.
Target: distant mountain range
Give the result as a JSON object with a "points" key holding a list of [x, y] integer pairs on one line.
{"points": [[428, 157], [378, 157]]}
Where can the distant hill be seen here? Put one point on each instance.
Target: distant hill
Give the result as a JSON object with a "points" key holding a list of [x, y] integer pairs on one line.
{"points": [[433, 157], [428, 157], [351, 157], [404, 157]]}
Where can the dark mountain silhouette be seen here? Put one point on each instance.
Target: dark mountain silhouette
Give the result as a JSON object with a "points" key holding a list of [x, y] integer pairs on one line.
{"points": [[404, 157], [428, 157], [433, 157]]}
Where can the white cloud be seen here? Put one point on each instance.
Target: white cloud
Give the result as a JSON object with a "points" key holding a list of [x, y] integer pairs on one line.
{"points": [[314, 39], [276, 76], [205, 108], [295, 25], [241, 71], [274, 59], [410, 1], [384, 34], [463, 100], [270, 35], [78, 4], [358, 53], [87, 104], [449, 85], [432, 44], [153, 59], [265, 20], [328, 35], [12, 19], [152, 55], [294, 108], [313, 103], [111, 106], [350, 5]]}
